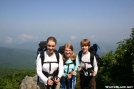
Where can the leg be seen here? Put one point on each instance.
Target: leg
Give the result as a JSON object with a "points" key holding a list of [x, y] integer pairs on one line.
{"points": [[41, 86], [82, 81], [73, 82], [93, 83], [63, 83], [68, 83], [57, 86]]}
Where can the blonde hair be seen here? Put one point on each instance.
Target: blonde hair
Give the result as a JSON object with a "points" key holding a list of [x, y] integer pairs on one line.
{"points": [[73, 55]]}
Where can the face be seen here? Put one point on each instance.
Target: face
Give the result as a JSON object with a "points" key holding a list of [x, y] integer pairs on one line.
{"points": [[67, 52], [51, 46], [85, 49]]}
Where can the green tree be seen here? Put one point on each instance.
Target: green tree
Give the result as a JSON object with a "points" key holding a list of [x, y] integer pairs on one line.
{"points": [[118, 68], [125, 61], [13, 80]]}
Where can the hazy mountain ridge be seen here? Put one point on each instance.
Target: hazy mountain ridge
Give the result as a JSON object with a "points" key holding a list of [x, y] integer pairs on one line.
{"points": [[17, 58], [34, 45], [24, 55]]}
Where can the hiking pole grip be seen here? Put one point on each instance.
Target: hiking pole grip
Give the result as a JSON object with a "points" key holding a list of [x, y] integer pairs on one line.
{"points": [[73, 76]]}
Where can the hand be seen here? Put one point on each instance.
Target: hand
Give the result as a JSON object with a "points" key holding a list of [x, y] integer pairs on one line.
{"points": [[94, 73], [57, 80], [69, 76], [79, 68], [73, 73], [50, 82]]}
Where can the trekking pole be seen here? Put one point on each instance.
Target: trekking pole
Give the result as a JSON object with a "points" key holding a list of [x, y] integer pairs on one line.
{"points": [[73, 80], [68, 83], [50, 87]]}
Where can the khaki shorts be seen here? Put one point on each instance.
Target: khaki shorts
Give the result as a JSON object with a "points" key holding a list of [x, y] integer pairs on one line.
{"points": [[43, 86]]}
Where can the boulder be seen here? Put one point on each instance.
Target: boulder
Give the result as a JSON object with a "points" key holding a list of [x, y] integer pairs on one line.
{"points": [[29, 83]]}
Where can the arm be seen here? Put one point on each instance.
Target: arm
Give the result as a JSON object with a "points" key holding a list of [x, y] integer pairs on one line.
{"points": [[78, 60], [77, 63], [95, 65], [61, 68], [64, 74], [79, 67], [39, 70]]}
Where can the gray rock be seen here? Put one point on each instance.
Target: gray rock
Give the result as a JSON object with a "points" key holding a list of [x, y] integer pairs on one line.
{"points": [[29, 83]]}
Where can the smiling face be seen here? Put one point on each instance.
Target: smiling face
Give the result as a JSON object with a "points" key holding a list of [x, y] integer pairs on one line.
{"points": [[68, 50], [85, 44], [85, 49], [51, 45]]}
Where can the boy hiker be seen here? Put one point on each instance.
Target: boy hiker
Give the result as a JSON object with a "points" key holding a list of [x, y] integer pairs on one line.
{"points": [[87, 66]]}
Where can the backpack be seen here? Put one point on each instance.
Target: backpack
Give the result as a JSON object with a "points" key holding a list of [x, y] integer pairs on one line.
{"points": [[98, 58], [93, 53], [42, 46], [61, 50]]}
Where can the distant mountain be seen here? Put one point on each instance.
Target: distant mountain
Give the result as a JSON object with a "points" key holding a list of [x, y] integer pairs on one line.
{"points": [[17, 58], [28, 45], [33, 46], [104, 47], [24, 55]]}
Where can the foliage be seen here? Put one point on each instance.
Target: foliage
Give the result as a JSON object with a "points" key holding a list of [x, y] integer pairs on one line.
{"points": [[125, 61], [105, 74], [13, 80], [118, 69]]}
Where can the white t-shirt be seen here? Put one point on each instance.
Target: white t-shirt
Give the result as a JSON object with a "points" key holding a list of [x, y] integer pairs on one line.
{"points": [[86, 58], [45, 67]]}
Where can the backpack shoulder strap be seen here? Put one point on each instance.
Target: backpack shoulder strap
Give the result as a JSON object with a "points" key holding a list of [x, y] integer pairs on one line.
{"points": [[42, 56], [74, 62], [57, 55], [80, 55], [91, 58]]}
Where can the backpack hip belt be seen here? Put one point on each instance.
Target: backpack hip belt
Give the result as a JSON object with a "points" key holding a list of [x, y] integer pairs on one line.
{"points": [[86, 72], [53, 75]]}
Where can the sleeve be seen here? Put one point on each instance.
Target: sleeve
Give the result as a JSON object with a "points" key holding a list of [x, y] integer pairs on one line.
{"points": [[64, 74], [95, 65], [77, 63], [78, 60], [39, 70], [61, 68]]}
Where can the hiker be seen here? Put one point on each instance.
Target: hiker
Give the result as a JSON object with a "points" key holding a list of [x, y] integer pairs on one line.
{"points": [[87, 66], [68, 79], [49, 66]]}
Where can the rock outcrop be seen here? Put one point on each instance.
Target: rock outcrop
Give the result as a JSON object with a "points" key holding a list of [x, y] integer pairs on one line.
{"points": [[29, 83]]}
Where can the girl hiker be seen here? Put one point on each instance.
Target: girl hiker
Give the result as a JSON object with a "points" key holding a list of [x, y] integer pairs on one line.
{"points": [[68, 80], [49, 66], [87, 66]]}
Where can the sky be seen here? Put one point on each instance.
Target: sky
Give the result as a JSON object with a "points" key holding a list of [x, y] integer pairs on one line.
{"points": [[68, 20]]}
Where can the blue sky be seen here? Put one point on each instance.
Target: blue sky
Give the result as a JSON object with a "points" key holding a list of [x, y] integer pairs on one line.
{"points": [[67, 20]]}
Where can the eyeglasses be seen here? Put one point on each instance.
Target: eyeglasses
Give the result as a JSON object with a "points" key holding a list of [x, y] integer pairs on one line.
{"points": [[68, 50]]}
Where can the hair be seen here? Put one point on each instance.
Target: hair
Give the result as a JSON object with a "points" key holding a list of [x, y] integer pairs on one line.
{"points": [[73, 55], [52, 39], [85, 42]]}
